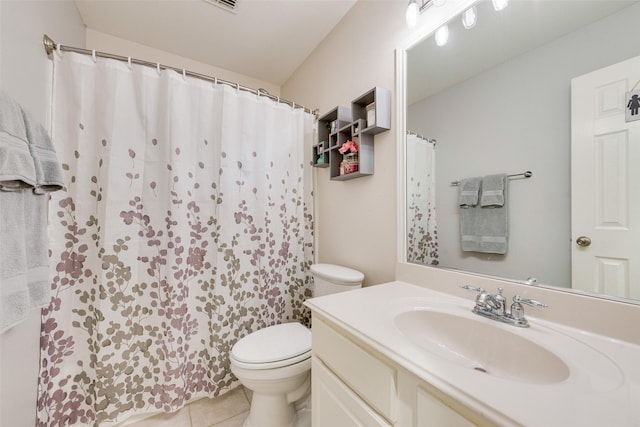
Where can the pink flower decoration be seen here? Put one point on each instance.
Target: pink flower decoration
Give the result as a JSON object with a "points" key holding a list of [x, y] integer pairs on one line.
{"points": [[349, 146]]}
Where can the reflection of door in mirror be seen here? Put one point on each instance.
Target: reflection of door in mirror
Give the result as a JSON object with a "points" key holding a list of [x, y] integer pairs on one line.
{"points": [[605, 199], [422, 242]]}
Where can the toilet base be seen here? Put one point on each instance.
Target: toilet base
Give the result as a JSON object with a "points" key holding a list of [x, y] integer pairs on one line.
{"points": [[282, 410], [270, 411]]}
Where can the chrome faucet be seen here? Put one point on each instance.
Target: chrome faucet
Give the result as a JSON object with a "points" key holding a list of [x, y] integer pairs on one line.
{"points": [[495, 307]]}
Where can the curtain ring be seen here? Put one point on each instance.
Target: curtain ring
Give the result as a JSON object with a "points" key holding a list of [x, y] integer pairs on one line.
{"points": [[93, 55], [129, 62], [59, 50], [158, 67], [237, 88], [184, 74]]}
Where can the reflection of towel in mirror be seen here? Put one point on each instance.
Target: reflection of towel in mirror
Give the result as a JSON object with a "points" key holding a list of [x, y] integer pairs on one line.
{"points": [[493, 190], [469, 191], [28, 169], [485, 228]]}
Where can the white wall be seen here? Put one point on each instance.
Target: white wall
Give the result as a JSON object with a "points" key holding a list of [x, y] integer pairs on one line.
{"points": [[111, 44], [25, 74], [356, 218], [512, 118]]}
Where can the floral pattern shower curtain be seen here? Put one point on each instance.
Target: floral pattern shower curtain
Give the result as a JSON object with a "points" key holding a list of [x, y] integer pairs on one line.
{"points": [[185, 225], [422, 234]]}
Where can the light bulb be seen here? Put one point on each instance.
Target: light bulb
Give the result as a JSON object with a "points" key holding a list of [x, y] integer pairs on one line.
{"points": [[469, 18], [412, 14], [442, 35], [439, 2], [500, 4]]}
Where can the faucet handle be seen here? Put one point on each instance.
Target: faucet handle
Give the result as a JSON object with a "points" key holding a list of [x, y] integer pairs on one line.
{"points": [[472, 288], [529, 302]]}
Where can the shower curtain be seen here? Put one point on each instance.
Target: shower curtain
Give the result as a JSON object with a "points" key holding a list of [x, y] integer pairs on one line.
{"points": [[422, 235], [186, 224]]}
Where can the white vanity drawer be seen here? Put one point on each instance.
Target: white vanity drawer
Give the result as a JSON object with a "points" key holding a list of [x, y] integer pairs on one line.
{"points": [[373, 380], [335, 404]]}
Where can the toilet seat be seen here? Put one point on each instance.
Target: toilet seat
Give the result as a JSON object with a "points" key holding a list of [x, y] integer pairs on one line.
{"points": [[273, 347]]}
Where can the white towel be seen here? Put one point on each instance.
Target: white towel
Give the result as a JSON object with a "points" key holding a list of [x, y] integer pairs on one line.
{"points": [[28, 169]]}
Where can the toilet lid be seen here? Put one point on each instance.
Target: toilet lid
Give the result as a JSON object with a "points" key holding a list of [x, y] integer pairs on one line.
{"points": [[272, 344], [337, 274]]}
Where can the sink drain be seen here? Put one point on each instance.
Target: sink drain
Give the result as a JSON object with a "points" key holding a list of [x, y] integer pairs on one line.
{"points": [[480, 369]]}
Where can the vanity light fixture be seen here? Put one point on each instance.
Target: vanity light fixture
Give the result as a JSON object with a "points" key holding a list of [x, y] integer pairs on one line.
{"points": [[416, 7], [470, 17], [498, 5], [442, 35], [412, 13]]}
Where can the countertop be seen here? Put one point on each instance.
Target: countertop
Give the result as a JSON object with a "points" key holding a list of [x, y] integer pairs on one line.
{"points": [[602, 389]]}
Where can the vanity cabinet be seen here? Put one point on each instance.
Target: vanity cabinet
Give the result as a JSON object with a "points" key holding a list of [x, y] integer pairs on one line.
{"points": [[369, 115], [352, 385]]}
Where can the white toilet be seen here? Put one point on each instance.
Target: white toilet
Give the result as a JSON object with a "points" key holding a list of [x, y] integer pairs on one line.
{"points": [[275, 362]]}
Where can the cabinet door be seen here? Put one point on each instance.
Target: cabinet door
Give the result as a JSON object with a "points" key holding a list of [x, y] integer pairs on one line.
{"points": [[371, 378], [430, 412], [335, 405]]}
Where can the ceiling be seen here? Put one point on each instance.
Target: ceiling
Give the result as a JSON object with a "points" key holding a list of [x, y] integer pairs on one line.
{"points": [[263, 39]]}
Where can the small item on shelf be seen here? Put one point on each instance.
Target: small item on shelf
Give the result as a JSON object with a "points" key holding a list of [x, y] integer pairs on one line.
{"points": [[333, 127], [371, 114], [350, 163], [349, 146], [320, 159], [342, 167]]}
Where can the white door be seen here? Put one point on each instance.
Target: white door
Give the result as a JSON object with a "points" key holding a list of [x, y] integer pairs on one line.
{"points": [[605, 183]]}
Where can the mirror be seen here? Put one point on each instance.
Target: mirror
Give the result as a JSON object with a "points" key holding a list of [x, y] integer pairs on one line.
{"points": [[497, 99]]}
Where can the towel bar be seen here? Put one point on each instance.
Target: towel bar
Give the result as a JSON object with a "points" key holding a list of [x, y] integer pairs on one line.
{"points": [[527, 174]]}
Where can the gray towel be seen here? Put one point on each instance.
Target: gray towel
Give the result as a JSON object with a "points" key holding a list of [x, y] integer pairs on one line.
{"points": [[493, 190], [17, 169], [485, 229], [48, 171], [469, 190], [24, 269]]}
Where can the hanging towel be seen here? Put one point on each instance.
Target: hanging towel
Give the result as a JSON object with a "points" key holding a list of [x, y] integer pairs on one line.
{"points": [[485, 228], [493, 190], [48, 171], [469, 190], [28, 169], [17, 170]]}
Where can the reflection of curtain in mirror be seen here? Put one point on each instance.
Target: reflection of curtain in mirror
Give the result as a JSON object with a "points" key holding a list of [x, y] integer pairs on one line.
{"points": [[422, 241]]}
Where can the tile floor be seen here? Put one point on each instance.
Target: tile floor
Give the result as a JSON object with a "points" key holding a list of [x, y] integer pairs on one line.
{"points": [[228, 410]]}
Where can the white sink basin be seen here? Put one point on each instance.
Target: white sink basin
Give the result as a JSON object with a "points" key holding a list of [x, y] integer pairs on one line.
{"points": [[479, 345]]}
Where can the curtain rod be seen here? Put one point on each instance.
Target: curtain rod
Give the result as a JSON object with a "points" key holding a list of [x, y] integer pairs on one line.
{"points": [[431, 141], [50, 46]]}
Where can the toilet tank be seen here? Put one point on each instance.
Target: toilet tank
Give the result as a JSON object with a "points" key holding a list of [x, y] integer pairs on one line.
{"points": [[331, 279]]}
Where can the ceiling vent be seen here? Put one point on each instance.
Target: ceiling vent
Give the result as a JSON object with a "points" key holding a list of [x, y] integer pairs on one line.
{"points": [[229, 5]]}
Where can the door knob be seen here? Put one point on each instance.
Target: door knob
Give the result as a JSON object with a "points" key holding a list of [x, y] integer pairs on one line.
{"points": [[583, 241]]}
